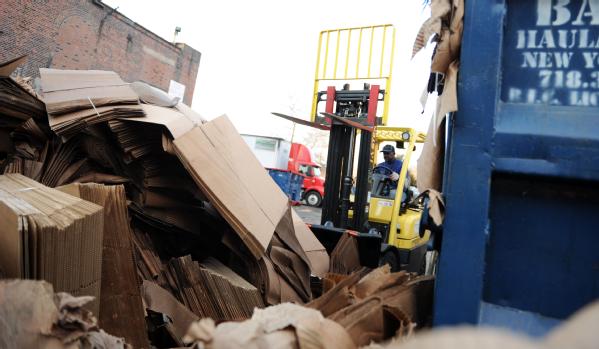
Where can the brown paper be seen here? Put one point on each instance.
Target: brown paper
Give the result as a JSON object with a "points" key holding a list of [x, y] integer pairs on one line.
{"points": [[430, 163], [439, 10], [50, 235], [448, 101], [121, 311], [345, 258]]}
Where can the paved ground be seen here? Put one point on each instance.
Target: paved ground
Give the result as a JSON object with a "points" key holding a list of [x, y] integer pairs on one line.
{"points": [[309, 214]]}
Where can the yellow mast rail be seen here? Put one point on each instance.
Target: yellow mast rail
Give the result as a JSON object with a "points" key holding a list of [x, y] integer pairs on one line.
{"points": [[359, 51], [335, 47], [370, 51], [355, 28], [347, 54]]}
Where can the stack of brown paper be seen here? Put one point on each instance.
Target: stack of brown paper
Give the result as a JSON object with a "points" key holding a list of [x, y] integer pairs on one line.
{"points": [[76, 99], [121, 310], [211, 289], [163, 194], [46, 234]]}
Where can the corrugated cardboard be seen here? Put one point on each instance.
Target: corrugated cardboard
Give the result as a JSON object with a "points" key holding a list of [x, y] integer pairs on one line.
{"points": [[121, 311], [223, 185], [237, 185], [16, 103], [66, 90], [225, 168], [50, 235], [72, 98], [211, 289], [316, 253]]}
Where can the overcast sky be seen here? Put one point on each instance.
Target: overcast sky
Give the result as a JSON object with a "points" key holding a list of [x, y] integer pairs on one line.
{"points": [[259, 56]]}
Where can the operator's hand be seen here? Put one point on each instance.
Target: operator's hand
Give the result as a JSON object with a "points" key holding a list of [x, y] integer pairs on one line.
{"points": [[394, 176]]}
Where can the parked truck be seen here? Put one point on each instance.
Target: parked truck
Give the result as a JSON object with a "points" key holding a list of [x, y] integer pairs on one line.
{"points": [[301, 161], [277, 153]]}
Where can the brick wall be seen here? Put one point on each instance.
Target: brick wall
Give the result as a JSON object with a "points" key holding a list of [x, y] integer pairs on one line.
{"points": [[87, 34]]}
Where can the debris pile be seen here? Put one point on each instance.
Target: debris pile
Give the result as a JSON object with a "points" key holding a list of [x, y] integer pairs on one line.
{"points": [[364, 307], [183, 208], [285, 325]]}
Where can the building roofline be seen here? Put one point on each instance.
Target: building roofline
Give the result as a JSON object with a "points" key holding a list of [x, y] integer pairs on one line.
{"points": [[132, 23]]}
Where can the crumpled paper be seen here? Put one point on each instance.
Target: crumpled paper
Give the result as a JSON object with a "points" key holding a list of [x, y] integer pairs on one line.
{"points": [[286, 325], [32, 316]]}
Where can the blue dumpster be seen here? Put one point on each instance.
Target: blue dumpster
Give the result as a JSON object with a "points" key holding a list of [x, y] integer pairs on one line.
{"points": [[521, 233], [289, 182]]}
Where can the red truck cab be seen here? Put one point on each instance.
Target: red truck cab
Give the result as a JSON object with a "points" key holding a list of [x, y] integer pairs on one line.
{"points": [[300, 161]]}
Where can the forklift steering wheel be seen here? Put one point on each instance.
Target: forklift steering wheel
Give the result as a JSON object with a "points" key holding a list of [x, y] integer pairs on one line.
{"points": [[388, 174]]}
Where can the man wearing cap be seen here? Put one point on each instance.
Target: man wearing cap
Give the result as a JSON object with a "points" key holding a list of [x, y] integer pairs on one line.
{"points": [[391, 163]]}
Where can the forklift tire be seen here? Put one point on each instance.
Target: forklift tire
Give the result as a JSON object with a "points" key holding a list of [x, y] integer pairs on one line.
{"points": [[391, 258], [313, 198]]}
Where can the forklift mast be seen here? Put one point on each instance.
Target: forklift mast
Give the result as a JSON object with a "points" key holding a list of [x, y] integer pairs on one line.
{"points": [[343, 49], [359, 106]]}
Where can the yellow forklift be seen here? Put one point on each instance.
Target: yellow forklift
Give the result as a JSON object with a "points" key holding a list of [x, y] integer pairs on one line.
{"points": [[390, 227], [392, 209]]}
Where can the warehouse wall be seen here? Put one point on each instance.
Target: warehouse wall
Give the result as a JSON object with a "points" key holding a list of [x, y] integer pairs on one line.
{"points": [[87, 34]]}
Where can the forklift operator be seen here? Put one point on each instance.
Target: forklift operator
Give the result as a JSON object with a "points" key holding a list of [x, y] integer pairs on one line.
{"points": [[391, 163]]}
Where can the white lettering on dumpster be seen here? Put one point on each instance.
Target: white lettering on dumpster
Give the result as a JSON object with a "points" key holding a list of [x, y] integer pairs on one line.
{"points": [[552, 58]]}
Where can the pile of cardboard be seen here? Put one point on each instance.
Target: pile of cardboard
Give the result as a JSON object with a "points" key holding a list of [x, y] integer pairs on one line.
{"points": [[223, 166], [364, 307], [46, 234], [377, 305], [196, 213]]}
